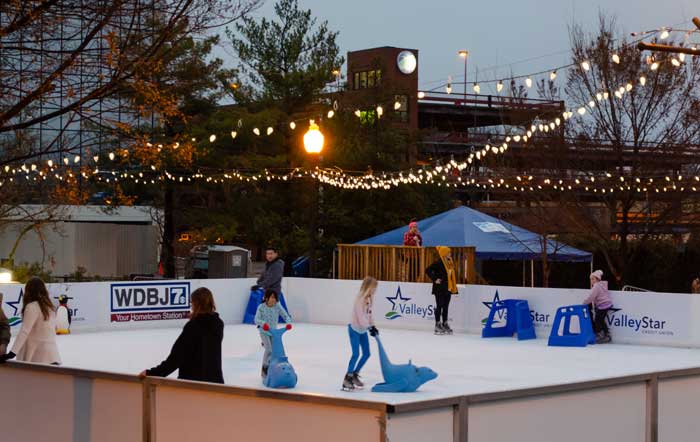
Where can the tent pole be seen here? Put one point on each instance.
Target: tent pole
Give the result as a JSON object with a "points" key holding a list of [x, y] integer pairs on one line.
{"points": [[524, 272], [532, 273]]}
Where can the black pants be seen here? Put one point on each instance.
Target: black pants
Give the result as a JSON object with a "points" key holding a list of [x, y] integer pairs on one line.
{"points": [[599, 320], [442, 305]]}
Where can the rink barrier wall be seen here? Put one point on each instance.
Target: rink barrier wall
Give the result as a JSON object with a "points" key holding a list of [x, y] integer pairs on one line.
{"points": [[665, 319], [79, 405]]}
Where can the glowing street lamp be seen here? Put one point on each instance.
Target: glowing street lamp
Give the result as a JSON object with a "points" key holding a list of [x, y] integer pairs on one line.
{"points": [[464, 54], [313, 139]]}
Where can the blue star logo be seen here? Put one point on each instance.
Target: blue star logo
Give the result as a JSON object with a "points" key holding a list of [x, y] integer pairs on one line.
{"points": [[393, 314], [397, 297], [16, 306], [500, 314]]}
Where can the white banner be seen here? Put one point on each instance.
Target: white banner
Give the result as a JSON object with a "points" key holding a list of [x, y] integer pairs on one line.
{"points": [[140, 304], [639, 318]]}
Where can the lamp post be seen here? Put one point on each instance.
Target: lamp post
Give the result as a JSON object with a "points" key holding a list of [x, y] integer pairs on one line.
{"points": [[313, 144], [464, 54], [336, 72]]}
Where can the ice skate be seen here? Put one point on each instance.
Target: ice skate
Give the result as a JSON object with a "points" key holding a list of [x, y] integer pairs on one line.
{"points": [[347, 383], [602, 339], [446, 328], [357, 382], [439, 330]]}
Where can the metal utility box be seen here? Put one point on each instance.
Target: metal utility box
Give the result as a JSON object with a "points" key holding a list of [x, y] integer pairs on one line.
{"points": [[228, 262]]}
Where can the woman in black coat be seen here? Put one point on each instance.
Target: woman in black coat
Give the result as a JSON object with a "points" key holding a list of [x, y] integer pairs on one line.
{"points": [[442, 273], [197, 351]]}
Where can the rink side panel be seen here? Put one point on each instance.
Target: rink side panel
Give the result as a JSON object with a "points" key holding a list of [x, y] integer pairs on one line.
{"points": [[73, 405], [218, 413], [612, 413], [679, 402]]}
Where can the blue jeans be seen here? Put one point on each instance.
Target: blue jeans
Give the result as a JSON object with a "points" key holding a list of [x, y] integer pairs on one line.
{"points": [[358, 340]]}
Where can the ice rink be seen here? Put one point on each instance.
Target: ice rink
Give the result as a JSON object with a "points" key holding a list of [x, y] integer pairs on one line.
{"points": [[466, 364]]}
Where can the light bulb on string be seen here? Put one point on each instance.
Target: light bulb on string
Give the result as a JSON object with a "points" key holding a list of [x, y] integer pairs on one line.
{"points": [[292, 125], [681, 57], [654, 66], [111, 155], [49, 162], [256, 131], [616, 59], [234, 134], [477, 88], [553, 75], [397, 105], [586, 66], [331, 113], [448, 88], [643, 80], [528, 82], [358, 113], [664, 34], [212, 138], [581, 110], [499, 86], [270, 130], [421, 95], [675, 62], [380, 111]]}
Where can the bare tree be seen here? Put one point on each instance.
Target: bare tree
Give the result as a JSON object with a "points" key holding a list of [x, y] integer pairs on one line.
{"points": [[74, 72], [644, 123]]}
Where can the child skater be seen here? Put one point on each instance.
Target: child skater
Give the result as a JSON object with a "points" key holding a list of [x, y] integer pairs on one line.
{"points": [[600, 301], [268, 313], [362, 322]]}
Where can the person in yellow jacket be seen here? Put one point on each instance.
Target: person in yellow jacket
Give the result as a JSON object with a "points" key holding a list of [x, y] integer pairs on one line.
{"points": [[444, 276]]}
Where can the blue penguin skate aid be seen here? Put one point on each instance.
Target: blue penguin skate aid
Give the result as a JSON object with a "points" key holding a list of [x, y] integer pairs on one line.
{"points": [[400, 378], [280, 373]]}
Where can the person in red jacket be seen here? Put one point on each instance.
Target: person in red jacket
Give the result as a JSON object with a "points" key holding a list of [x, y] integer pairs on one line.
{"points": [[412, 237]]}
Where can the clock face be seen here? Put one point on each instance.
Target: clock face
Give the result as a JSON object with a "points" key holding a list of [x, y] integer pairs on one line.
{"points": [[406, 62]]}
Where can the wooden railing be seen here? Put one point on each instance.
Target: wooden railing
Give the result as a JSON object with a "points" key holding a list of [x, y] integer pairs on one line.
{"points": [[400, 263]]}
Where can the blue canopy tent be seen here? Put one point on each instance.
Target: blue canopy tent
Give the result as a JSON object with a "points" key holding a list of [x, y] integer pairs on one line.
{"points": [[493, 238]]}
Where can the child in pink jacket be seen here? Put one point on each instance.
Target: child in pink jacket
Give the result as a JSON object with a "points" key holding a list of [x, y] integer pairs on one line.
{"points": [[361, 323], [599, 300]]}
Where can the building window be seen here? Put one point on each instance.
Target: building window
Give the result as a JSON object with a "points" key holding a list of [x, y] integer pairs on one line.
{"points": [[402, 111], [367, 79]]}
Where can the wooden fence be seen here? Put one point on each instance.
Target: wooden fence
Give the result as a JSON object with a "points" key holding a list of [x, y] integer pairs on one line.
{"points": [[400, 263]]}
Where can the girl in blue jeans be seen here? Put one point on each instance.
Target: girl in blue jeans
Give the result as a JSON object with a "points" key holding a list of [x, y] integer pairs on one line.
{"points": [[361, 323]]}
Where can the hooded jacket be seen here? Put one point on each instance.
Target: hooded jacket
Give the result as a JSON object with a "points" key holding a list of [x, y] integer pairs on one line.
{"points": [[271, 277], [599, 296], [196, 352]]}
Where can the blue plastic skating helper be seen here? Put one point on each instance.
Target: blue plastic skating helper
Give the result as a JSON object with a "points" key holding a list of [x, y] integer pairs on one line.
{"points": [[568, 338], [400, 378], [280, 373], [518, 320]]}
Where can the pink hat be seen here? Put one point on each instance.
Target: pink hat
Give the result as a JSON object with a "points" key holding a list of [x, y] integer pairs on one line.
{"points": [[413, 224]]}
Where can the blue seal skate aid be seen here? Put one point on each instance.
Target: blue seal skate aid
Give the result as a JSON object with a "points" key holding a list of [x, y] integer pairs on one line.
{"points": [[255, 299], [280, 373], [517, 317], [565, 337], [401, 378]]}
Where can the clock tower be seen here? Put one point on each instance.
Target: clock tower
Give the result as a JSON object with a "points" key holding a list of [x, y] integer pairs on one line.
{"points": [[385, 76]]}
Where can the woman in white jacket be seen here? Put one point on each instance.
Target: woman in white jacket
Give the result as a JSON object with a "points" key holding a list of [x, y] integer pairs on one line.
{"points": [[36, 340]]}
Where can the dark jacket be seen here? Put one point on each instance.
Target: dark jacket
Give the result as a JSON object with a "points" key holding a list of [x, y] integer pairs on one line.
{"points": [[197, 351], [4, 328], [437, 271], [271, 277]]}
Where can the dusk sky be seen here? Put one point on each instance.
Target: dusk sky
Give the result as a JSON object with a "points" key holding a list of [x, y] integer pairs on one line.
{"points": [[504, 37]]}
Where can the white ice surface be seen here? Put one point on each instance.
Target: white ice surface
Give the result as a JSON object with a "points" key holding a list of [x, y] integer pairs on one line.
{"points": [[466, 364]]}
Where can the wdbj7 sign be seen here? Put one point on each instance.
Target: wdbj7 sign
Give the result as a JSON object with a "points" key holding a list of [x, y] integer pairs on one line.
{"points": [[149, 301]]}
